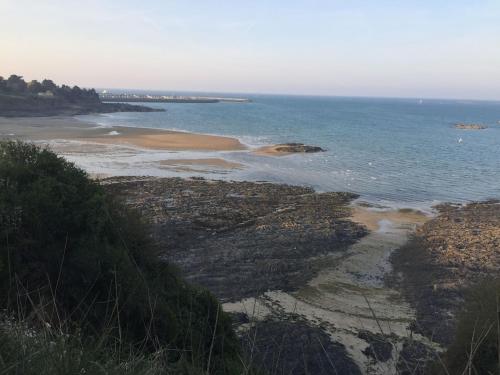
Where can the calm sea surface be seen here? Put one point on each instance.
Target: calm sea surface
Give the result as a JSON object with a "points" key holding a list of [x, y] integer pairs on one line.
{"points": [[393, 151]]}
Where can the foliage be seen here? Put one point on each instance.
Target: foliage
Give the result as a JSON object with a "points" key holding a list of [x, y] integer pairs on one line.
{"points": [[475, 348], [15, 85], [26, 351], [73, 257]]}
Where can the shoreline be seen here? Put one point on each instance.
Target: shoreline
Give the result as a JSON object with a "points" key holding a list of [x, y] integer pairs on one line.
{"points": [[74, 137], [275, 253], [74, 129], [166, 140]]}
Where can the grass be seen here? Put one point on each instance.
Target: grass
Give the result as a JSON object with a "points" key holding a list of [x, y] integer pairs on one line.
{"points": [[471, 338], [44, 351]]}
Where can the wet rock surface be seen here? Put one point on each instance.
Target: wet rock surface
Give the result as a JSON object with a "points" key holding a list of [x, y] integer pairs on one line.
{"points": [[453, 251], [297, 148], [240, 239], [379, 346], [470, 126], [415, 358], [280, 347]]}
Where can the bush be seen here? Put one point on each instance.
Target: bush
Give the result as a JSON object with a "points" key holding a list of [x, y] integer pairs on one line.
{"points": [[74, 258], [475, 348], [48, 352]]}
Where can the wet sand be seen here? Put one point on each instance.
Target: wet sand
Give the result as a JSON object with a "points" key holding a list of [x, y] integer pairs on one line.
{"points": [[271, 150], [73, 139], [154, 139], [374, 219], [205, 165], [349, 296], [69, 128], [212, 162]]}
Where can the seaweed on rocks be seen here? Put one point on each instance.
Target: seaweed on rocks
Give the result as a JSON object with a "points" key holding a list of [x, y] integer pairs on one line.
{"points": [[240, 239]]}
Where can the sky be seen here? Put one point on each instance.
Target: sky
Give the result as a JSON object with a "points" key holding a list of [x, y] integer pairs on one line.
{"points": [[411, 48]]}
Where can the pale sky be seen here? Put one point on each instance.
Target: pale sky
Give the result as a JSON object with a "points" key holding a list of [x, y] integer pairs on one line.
{"points": [[410, 48]]}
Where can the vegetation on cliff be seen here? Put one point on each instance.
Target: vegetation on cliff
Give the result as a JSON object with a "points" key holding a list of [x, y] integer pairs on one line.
{"points": [[21, 98], [78, 269]]}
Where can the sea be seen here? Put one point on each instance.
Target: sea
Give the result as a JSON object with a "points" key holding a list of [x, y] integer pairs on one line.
{"points": [[392, 152]]}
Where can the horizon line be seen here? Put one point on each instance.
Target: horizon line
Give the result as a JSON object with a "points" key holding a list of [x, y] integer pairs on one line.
{"points": [[172, 91]]}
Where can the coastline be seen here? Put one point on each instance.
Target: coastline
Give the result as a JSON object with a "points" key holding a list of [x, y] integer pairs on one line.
{"points": [[318, 261], [73, 129], [286, 259], [164, 153]]}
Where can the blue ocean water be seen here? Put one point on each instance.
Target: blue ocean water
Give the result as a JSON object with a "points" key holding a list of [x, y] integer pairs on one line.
{"points": [[395, 151]]}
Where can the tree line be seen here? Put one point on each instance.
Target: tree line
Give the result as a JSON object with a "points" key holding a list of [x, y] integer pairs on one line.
{"points": [[16, 85]]}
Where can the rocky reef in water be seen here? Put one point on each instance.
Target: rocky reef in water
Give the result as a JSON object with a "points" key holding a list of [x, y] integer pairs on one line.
{"points": [[288, 148], [470, 126], [297, 148]]}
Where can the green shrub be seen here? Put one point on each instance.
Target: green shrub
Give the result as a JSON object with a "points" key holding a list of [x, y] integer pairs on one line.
{"points": [[47, 352], [73, 257], [475, 348]]}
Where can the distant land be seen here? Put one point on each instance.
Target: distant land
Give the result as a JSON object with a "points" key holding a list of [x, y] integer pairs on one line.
{"points": [[19, 98], [145, 98]]}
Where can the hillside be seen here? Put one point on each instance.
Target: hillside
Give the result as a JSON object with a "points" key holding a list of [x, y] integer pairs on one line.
{"points": [[20, 98], [82, 286]]}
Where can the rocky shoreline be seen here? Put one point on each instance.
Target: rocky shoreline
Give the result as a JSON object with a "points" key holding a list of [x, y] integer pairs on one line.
{"points": [[240, 239], [302, 277], [42, 109], [450, 253]]}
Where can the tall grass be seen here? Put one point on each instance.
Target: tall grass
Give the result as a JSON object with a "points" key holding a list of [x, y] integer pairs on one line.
{"points": [[44, 350], [74, 259]]}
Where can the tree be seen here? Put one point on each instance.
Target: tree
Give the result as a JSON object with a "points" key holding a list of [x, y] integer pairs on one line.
{"points": [[35, 87], [49, 85], [16, 84], [76, 91], [91, 95]]}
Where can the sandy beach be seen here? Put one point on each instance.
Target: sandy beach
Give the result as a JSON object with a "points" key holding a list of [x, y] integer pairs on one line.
{"points": [[375, 219], [154, 139], [69, 128], [71, 136]]}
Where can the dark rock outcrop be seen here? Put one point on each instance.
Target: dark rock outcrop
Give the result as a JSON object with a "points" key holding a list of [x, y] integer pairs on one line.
{"points": [[297, 148], [470, 126], [379, 348], [296, 348], [240, 239]]}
